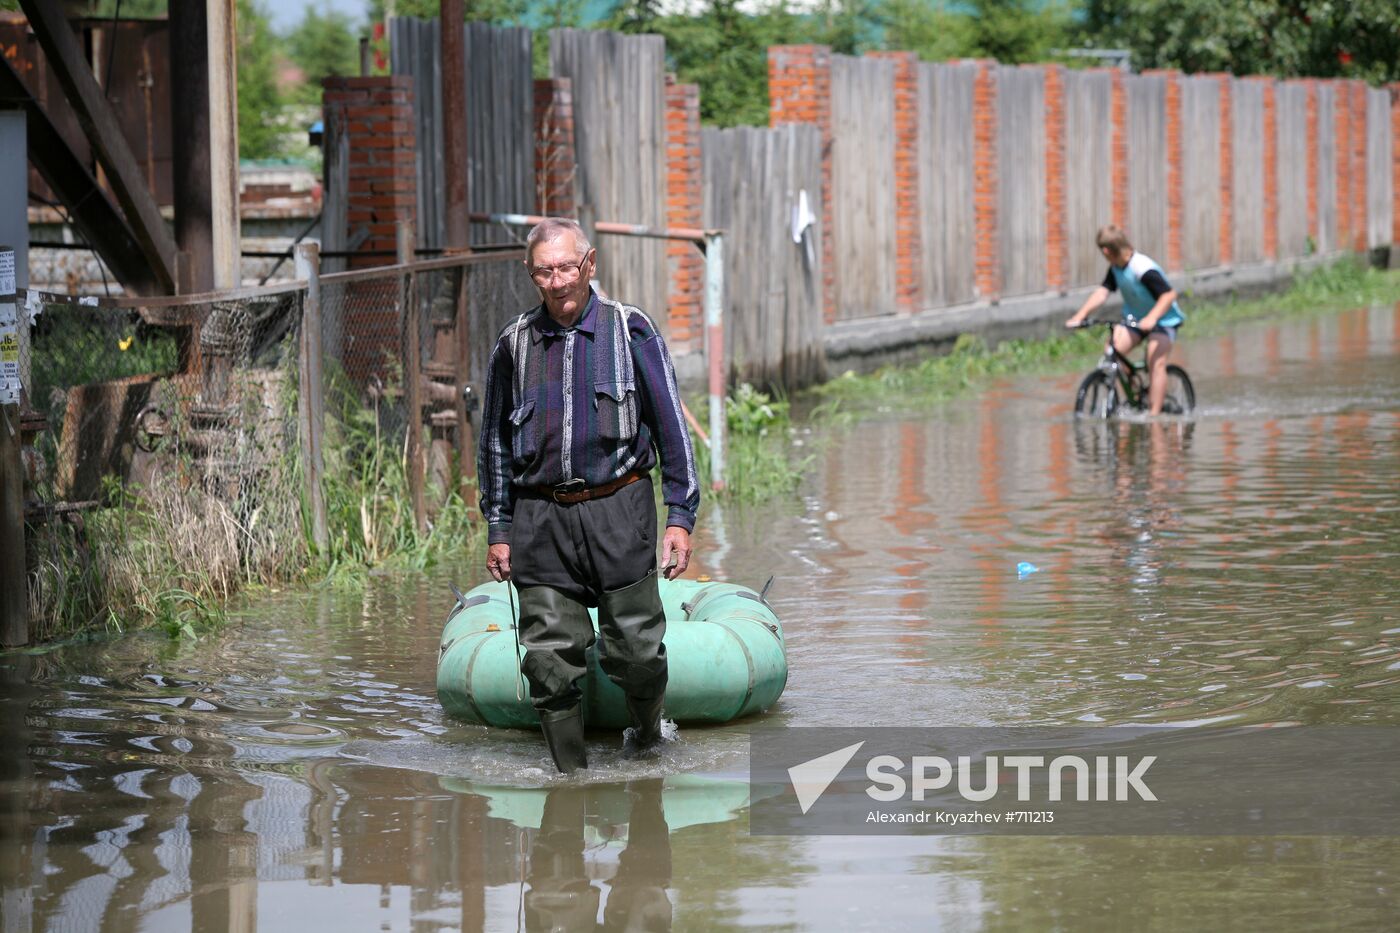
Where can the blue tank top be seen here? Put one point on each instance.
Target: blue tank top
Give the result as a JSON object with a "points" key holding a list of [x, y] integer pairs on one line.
{"points": [[1137, 300]]}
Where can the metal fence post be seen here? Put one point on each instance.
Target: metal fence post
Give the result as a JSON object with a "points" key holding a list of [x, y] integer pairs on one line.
{"points": [[312, 395], [14, 587], [714, 351], [412, 374]]}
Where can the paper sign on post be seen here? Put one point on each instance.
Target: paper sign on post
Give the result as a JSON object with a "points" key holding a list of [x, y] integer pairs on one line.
{"points": [[9, 332]]}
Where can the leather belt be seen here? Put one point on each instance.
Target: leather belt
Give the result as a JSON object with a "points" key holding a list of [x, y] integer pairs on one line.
{"points": [[569, 493]]}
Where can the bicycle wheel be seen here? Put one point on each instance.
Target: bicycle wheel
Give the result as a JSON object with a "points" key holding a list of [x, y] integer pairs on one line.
{"points": [[1181, 395], [1097, 397]]}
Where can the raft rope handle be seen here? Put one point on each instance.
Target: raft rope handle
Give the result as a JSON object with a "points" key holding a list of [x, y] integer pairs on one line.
{"points": [[515, 630]]}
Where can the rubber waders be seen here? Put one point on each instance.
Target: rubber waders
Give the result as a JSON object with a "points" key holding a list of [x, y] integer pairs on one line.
{"points": [[563, 733]]}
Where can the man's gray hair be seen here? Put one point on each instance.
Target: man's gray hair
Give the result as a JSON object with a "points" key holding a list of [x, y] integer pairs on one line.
{"points": [[551, 227]]}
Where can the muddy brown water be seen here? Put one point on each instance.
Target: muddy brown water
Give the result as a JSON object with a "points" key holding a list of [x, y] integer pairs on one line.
{"points": [[296, 772]]}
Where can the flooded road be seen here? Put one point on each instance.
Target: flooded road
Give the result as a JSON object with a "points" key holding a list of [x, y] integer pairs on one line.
{"points": [[296, 772]]}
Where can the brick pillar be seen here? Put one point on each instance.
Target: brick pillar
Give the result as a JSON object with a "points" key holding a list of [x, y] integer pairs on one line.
{"points": [[1359, 132], [555, 161], [1056, 238], [377, 114], [908, 227], [799, 91], [1227, 169], [1312, 138], [684, 202], [1119, 117], [1270, 167], [1341, 120], [984, 181], [1176, 213]]}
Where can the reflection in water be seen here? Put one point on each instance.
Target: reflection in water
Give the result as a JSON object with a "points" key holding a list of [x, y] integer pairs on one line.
{"points": [[561, 895], [296, 770]]}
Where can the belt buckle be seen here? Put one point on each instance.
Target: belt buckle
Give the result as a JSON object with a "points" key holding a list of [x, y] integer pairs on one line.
{"points": [[574, 485]]}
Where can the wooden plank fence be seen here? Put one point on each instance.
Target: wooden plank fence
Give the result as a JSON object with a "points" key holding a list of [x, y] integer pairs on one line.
{"points": [[1200, 169], [946, 183], [619, 93], [753, 179], [1147, 164], [1021, 179], [863, 185], [1088, 160], [1247, 172], [500, 123], [1326, 235], [1291, 137], [1380, 180]]}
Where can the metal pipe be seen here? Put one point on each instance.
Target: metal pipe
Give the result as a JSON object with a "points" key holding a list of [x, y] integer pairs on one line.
{"points": [[693, 234], [714, 351]]}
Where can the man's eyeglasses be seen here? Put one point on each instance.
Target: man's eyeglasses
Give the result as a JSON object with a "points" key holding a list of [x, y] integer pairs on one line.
{"points": [[567, 273]]}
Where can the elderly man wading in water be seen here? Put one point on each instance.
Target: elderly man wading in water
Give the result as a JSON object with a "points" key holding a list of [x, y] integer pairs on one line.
{"points": [[581, 404]]}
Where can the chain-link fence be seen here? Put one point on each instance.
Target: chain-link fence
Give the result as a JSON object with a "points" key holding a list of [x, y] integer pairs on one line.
{"points": [[176, 449]]}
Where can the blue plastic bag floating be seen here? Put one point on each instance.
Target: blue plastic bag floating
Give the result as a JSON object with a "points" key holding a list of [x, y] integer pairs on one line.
{"points": [[1025, 568]]}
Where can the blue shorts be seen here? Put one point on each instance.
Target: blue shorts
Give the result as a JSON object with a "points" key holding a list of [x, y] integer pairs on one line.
{"points": [[1159, 329]]}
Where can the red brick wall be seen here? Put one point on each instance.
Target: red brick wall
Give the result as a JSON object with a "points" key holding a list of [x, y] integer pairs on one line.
{"points": [[1227, 170], [1341, 119], [908, 229], [377, 114], [1056, 242], [984, 181], [1270, 169], [1119, 107], [1176, 204], [684, 202], [1358, 164], [555, 160], [799, 91]]}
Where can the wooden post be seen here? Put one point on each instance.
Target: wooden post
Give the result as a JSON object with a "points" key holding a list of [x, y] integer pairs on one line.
{"points": [[452, 25], [14, 588], [222, 34], [312, 395], [412, 375]]}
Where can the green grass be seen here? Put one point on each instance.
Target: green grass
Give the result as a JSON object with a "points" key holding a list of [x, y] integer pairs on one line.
{"points": [[370, 519], [759, 458], [971, 364]]}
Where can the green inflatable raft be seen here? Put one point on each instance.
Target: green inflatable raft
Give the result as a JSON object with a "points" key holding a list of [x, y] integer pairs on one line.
{"points": [[724, 646]]}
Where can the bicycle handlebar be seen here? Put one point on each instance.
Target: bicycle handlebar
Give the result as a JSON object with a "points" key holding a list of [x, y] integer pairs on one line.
{"points": [[1129, 322]]}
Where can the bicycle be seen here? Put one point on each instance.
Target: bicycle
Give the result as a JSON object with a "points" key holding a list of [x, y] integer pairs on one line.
{"points": [[1119, 382]]}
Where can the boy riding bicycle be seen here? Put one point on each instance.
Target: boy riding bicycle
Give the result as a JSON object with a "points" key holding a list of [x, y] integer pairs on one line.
{"points": [[1149, 307]]}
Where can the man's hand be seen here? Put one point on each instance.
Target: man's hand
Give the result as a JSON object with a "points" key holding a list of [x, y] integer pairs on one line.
{"points": [[675, 552], [498, 561]]}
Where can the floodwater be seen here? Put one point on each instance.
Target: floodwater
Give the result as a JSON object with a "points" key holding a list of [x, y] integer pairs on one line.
{"points": [[295, 771]]}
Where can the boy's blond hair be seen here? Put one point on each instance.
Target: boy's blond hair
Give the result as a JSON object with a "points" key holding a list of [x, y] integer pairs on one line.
{"points": [[1111, 236]]}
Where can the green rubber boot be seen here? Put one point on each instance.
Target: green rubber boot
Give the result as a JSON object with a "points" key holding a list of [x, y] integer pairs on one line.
{"points": [[646, 718], [563, 733]]}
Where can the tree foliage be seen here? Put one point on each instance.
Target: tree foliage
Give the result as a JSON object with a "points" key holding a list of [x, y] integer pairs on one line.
{"points": [[259, 102], [1288, 38], [324, 44]]}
